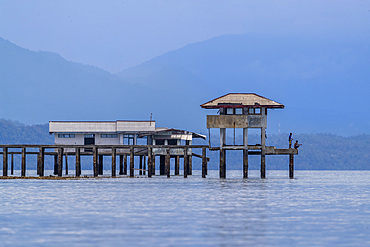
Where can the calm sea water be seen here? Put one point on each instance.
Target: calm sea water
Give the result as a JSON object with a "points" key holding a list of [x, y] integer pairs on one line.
{"points": [[318, 208]]}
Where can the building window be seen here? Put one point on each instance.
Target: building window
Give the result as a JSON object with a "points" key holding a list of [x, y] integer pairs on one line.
{"points": [[108, 135], [66, 135], [251, 111], [89, 136], [230, 111], [238, 111], [257, 111]]}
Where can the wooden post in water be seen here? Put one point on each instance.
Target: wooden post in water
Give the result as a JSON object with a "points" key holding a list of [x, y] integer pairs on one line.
{"points": [[263, 163], [168, 160], [121, 165], [150, 162], [12, 165], [144, 165], [162, 164], [100, 164], [263, 152], [66, 157], [222, 153], [245, 153], [291, 166], [204, 162], [132, 158], [60, 162], [42, 161], [78, 162], [5, 161], [186, 162], [125, 164], [113, 162], [95, 161], [23, 167], [140, 165], [38, 166], [55, 164], [177, 165], [153, 164]]}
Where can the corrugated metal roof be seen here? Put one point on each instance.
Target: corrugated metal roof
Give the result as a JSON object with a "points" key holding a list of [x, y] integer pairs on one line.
{"points": [[240, 100]]}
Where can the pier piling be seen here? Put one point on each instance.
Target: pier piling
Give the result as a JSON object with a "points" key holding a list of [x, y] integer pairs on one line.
{"points": [[291, 166], [5, 161], [168, 159], [113, 162], [23, 166], [132, 158], [78, 162]]}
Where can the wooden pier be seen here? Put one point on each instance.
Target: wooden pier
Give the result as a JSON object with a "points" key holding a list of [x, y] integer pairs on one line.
{"points": [[146, 154]]}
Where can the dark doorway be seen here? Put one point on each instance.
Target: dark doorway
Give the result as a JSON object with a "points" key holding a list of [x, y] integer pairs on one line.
{"points": [[89, 140]]}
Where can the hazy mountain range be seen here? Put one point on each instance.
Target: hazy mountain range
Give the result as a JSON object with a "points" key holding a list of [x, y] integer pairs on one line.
{"points": [[322, 82]]}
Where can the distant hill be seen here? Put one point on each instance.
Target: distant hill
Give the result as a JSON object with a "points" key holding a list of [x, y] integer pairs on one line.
{"points": [[323, 82], [37, 87]]}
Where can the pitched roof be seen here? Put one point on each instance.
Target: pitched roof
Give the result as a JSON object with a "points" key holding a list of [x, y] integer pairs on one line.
{"points": [[240, 100]]}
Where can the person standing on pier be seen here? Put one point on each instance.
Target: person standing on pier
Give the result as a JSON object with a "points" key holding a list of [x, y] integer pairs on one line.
{"points": [[290, 140]]}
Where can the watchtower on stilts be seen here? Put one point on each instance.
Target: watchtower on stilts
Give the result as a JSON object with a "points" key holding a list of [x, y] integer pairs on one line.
{"points": [[246, 111]]}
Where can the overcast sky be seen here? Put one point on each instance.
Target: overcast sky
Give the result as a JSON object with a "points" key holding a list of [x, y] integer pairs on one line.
{"points": [[116, 34]]}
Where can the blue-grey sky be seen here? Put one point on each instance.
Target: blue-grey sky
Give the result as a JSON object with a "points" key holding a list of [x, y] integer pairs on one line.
{"points": [[116, 34]]}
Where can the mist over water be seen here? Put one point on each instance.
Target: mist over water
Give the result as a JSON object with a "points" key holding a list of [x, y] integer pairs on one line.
{"points": [[317, 208]]}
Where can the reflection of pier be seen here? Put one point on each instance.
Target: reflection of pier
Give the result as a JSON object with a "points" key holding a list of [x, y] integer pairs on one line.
{"points": [[146, 153]]}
